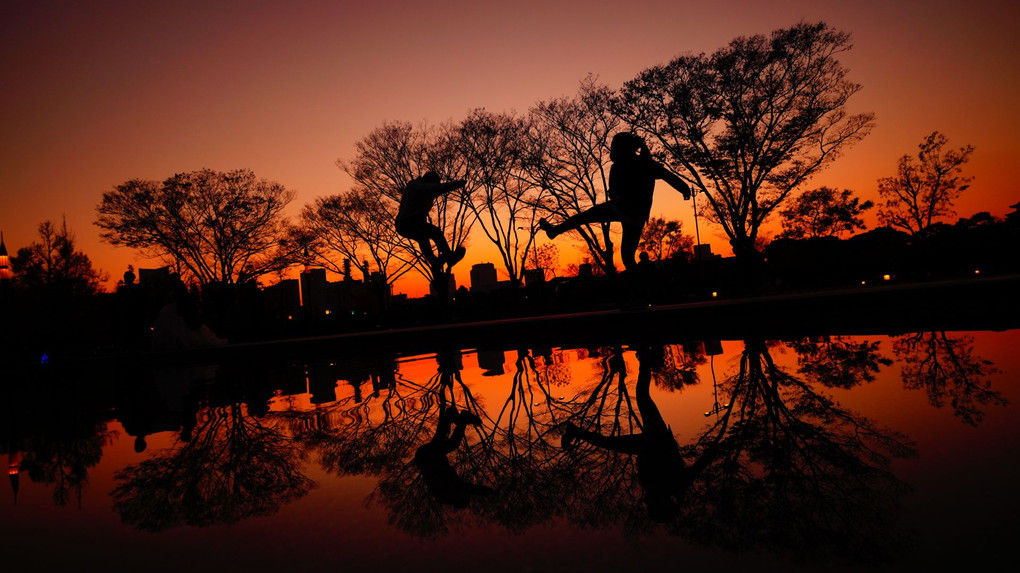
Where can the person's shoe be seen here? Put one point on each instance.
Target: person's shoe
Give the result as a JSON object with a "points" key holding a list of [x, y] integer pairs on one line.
{"points": [[549, 228], [455, 256]]}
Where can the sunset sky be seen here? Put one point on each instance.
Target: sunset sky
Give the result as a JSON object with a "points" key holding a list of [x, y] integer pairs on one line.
{"points": [[95, 93]]}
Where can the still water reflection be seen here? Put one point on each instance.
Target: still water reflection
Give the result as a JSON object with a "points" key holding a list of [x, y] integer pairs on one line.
{"points": [[896, 452]]}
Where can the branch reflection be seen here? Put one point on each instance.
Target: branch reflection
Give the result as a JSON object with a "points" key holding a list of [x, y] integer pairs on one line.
{"points": [[790, 469], [946, 368], [230, 467]]}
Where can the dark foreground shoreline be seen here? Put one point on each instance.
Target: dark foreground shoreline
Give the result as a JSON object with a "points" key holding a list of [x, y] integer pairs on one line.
{"points": [[980, 303]]}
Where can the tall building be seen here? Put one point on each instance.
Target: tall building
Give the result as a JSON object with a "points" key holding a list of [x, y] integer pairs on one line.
{"points": [[483, 277], [314, 291]]}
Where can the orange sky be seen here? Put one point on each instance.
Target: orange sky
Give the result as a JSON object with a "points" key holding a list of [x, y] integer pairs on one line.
{"points": [[95, 95]]}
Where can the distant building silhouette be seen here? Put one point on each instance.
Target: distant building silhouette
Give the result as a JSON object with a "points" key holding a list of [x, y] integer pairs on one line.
{"points": [[314, 291], [491, 362], [483, 277], [283, 299], [704, 253], [153, 276], [534, 277]]}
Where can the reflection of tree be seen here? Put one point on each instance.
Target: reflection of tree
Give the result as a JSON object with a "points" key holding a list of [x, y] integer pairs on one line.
{"points": [[679, 368], [515, 453], [62, 453], [837, 362], [52, 429], [791, 470], [233, 467], [358, 435], [946, 368]]}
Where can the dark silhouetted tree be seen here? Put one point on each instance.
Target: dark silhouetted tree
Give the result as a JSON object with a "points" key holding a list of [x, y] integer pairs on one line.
{"points": [[790, 469], [664, 239], [545, 257], [571, 164], [357, 226], [54, 267], [499, 193], [823, 212], [209, 226], [749, 123], [924, 188]]}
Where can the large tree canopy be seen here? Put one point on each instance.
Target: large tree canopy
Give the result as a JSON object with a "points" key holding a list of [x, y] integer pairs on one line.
{"points": [[571, 161], [499, 191], [357, 226], [823, 212], [749, 123], [210, 226], [924, 188]]}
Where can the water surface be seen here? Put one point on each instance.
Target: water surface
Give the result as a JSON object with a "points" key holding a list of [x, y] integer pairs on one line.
{"points": [[891, 452]]}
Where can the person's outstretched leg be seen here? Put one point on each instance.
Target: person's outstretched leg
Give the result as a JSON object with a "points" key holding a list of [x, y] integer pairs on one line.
{"points": [[601, 213]]}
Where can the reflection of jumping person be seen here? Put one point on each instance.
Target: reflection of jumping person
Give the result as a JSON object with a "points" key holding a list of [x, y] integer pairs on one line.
{"points": [[442, 481], [631, 185], [660, 466], [413, 218]]}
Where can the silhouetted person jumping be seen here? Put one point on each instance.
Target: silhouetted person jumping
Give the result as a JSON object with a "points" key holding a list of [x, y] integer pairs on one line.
{"points": [[413, 218], [631, 185], [661, 470], [440, 478]]}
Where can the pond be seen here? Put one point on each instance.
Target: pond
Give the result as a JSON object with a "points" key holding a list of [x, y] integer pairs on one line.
{"points": [[894, 452]]}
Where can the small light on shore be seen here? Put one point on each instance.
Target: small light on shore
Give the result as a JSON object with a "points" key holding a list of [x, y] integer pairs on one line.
{"points": [[290, 317], [327, 311], [714, 294], [886, 277], [977, 271], [864, 282]]}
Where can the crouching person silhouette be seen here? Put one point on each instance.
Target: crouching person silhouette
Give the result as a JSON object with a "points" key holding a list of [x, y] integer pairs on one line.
{"points": [[440, 478], [631, 186], [412, 219]]}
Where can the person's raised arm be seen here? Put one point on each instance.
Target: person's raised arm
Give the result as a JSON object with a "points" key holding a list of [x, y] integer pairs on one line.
{"points": [[673, 179], [452, 185]]}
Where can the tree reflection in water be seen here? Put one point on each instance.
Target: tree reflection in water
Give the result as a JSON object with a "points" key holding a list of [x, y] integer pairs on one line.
{"points": [[789, 469], [778, 467], [838, 362], [365, 435], [232, 466], [57, 441], [946, 368]]}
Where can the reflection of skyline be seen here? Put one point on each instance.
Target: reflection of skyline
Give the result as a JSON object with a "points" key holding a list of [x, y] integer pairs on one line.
{"points": [[519, 456]]}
